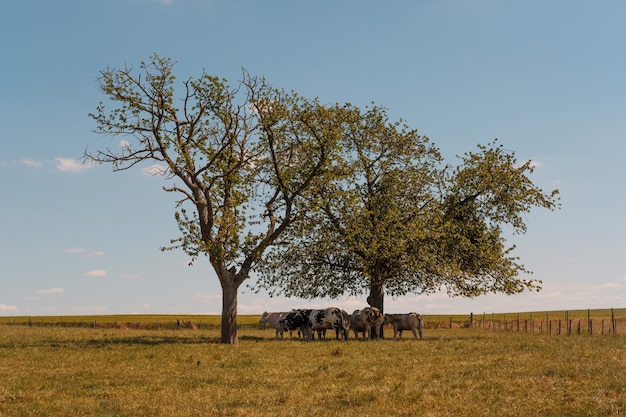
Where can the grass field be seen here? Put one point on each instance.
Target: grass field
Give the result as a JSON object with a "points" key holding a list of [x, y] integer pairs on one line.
{"points": [[82, 371], [211, 321]]}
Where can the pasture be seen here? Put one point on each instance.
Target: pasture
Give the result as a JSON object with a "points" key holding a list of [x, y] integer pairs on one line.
{"points": [[112, 371]]}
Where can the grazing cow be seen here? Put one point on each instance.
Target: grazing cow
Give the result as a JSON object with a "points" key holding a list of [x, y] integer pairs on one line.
{"points": [[409, 321], [329, 318], [275, 320], [366, 321], [296, 320]]}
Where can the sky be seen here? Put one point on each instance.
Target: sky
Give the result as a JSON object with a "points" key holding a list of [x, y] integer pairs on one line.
{"points": [[545, 78]]}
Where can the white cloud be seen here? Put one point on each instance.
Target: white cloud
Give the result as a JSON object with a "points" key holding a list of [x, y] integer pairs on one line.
{"points": [[124, 144], [7, 308], [87, 310], [96, 273], [51, 292], [75, 250], [207, 298], [155, 169], [620, 283], [71, 165], [30, 163], [147, 306], [83, 251]]}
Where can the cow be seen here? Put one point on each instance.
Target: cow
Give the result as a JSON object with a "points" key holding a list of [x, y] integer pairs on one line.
{"points": [[296, 320], [329, 318], [408, 321], [366, 321], [275, 320]]}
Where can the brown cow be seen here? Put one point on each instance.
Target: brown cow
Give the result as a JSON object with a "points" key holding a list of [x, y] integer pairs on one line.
{"points": [[366, 321], [408, 321]]}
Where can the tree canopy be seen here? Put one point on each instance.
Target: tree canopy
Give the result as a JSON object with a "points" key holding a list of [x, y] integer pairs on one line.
{"points": [[395, 219], [240, 159], [321, 200]]}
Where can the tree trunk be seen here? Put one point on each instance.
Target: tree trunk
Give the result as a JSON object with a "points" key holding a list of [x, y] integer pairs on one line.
{"points": [[375, 299], [229, 316], [229, 306]]}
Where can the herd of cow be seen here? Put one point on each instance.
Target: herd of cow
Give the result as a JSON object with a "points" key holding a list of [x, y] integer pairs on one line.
{"points": [[368, 321]]}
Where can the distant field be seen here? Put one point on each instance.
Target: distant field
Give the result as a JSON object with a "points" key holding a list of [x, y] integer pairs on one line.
{"points": [[102, 320], [209, 321], [72, 371]]}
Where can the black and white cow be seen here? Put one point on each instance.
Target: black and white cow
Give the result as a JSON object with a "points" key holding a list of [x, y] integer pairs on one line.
{"points": [[408, 321], [366, 321], [328, 318], [296, 320]]}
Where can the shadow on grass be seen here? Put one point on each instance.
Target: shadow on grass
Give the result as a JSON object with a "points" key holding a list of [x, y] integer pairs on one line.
{"points": [[148, 341], [164, 340], [143, 340]]}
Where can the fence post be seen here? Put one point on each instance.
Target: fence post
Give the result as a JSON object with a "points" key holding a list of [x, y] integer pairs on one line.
{"points": [[613, 322]]}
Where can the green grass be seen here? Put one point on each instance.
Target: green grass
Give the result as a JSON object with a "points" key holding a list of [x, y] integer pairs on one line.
{"points": [[52, 370]]}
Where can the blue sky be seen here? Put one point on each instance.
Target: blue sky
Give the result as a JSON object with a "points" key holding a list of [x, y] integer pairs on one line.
{"points": [[545, 78]]}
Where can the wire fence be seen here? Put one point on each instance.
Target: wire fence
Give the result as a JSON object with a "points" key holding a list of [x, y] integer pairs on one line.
{"points": [[576, 322], [555, 323]]}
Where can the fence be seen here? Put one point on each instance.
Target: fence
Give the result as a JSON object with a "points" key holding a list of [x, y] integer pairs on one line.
{"points": [[591, 322], [557, 323]]}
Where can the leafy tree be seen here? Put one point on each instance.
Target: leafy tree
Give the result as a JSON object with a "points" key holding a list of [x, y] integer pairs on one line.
{"points": [[241, 159], [394, 219]]}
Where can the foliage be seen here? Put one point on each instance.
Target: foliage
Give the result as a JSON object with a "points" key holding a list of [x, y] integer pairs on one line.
{"points": [[322, 200], [394, 219], [243, 158]]}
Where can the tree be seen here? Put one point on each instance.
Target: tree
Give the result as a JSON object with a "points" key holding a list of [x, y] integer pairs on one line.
{"points": [[396, 220], [244, 157]]}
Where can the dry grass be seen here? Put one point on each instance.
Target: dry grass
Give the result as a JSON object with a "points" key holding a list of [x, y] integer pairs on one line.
{"points": [[153, 321], [469, 372]]}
